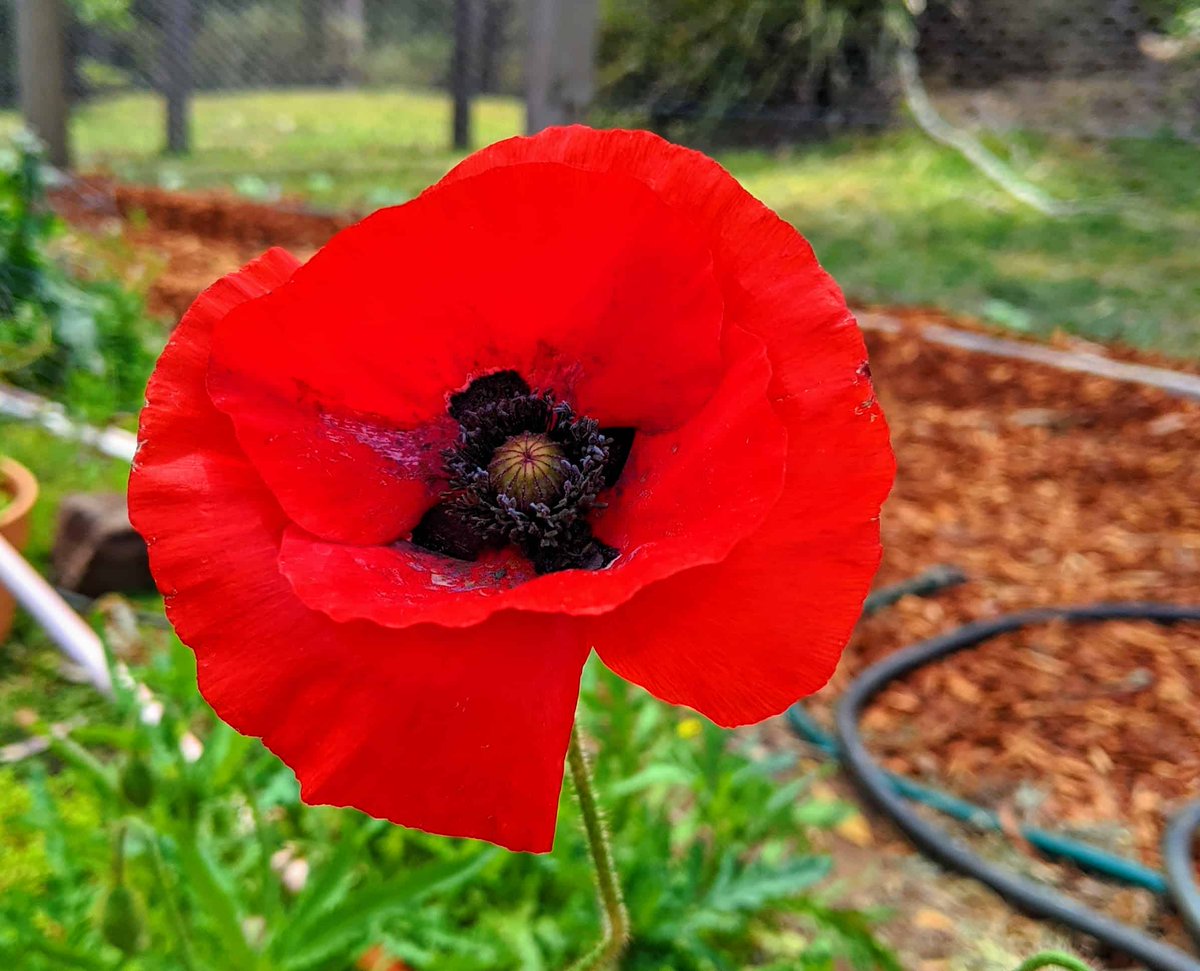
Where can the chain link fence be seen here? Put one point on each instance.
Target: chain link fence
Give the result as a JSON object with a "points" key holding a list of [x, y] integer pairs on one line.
{"points": [[1092, 68], [731, 71]]}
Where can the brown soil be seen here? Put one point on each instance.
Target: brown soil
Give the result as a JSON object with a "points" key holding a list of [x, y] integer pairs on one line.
{"points": [[1047, 487], [195, 237]]}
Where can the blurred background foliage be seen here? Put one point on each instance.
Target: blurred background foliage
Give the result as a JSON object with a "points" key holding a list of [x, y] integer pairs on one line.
{"points": [[749, 69], [78, 335]]}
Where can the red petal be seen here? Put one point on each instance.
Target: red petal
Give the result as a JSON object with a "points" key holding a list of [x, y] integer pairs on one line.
{"points": [[685, 498], [584, 284], [188, 350], [770, 280], [399, 585], [460, 732], [743, 639]]}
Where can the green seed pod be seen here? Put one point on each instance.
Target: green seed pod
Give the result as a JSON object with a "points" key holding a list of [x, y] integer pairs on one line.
{"points": [[528, 469], [121, 920], [137, 783]]}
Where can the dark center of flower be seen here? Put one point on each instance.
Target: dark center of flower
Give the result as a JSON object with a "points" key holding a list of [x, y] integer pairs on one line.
{"points": [[526, 470]]}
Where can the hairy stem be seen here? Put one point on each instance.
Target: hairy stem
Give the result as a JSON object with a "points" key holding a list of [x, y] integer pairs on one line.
{"points": [[615, 919], [1053, 959]]}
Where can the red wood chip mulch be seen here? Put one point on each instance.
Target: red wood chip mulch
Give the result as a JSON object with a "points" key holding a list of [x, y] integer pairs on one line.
{"points": [[1047, 488]]}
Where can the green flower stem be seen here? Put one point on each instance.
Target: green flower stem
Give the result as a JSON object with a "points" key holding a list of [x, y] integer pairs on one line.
{"points": [[1052, 959], [611, 945], [118, 854], [158, 869]]}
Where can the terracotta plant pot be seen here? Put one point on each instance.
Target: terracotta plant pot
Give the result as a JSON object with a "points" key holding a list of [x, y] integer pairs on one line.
{"points": [[18, 492]]}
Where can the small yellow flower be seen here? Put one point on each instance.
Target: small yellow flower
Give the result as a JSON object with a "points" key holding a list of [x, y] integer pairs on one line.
{"points": [[689, 728]]}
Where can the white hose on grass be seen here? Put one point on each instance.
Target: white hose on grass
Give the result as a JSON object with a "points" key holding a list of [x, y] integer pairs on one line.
{"points": [[116, 443], [62, 625]]}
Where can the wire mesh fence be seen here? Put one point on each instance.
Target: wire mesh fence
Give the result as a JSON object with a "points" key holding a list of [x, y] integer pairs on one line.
{"points": [[730, 71]]}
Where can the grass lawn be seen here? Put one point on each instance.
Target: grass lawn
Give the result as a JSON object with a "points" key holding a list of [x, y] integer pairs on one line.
{"points": [[899, 219], [895, 217]]}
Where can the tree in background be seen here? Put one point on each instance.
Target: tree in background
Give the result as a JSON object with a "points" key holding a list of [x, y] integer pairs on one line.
{"points": [[750, 69], [496, 43]]}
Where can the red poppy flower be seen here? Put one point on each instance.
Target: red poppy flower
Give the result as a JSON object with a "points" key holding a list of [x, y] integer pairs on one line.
{"points": [[585, 392]]}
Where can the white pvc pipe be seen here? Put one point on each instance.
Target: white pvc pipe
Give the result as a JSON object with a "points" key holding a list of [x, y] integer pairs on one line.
{"points": [[65, 627], [116, 443], [1180, 384]]}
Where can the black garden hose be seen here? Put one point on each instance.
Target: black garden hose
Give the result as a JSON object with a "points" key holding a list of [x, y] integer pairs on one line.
{"points": [[1021, 893], [1177, 861]]}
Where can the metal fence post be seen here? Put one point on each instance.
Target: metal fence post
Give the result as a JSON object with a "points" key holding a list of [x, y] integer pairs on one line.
{"points": [[560, 69], [354, 33], [41, 70], [462, 71], [177, 74]]}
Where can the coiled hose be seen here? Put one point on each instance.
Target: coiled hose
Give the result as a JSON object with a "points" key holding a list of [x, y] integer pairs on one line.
{"points": [[1025, 895], [1177, 860]]}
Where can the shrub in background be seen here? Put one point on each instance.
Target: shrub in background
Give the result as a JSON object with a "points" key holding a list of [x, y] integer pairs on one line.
{"points": [[750, 69], [86, 343]]}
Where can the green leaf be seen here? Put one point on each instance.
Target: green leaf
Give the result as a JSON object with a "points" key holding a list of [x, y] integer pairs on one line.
{"points": [[648, 718], [749, 889], [68, 957], [45, 814], [80, 758], [785, 796], [768, 767], [658, 774], [823, 813], [517, 931], [327, 886], [348, 925], [216, 897], [224, 758]]}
